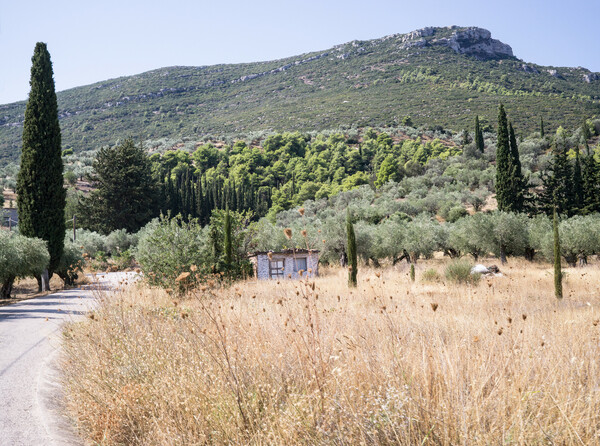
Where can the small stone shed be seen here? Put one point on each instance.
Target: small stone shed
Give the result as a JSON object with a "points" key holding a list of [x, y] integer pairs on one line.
{"points": [[285, 264]]}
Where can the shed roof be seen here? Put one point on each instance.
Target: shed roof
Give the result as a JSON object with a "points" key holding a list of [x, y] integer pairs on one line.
{"points": [[285, 251]]}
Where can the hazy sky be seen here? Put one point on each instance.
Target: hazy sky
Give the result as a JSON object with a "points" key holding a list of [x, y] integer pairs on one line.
{"points": [[91, 41]]}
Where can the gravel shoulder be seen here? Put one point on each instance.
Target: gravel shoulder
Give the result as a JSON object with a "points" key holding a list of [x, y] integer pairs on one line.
{"points": [[30, 389]]}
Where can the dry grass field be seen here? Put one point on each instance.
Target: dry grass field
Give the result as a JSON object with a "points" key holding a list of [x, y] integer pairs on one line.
{"points": [[310, 362]]}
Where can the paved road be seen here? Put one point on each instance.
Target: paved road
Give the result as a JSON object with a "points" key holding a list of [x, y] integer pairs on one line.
{"points": [[30, 392]]}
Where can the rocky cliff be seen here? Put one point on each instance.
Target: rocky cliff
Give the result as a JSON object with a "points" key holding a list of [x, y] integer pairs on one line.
{"points": [[471, 41]]}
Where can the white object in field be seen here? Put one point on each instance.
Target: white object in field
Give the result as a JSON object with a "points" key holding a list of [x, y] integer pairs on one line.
{"points": [[480, 269]]}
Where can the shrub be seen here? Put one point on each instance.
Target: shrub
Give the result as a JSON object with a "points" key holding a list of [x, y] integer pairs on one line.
{"points": [[70, 263], [455, 213], [90, 242], [169, 247], [118, 241], [123, 260], [459, 271], [430, 276]]}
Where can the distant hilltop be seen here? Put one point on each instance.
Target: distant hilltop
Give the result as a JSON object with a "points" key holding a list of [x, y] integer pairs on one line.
{"points": [[437, 76], [471, 41]]}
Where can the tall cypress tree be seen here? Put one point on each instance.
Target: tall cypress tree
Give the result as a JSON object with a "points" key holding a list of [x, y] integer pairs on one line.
{"points": [[503, 164], [542, 134], [478, 135], [351, 251], [558, 289], [228, 247], [517, 181], [577, 184], [585, 130], [557, 189], [41, 195]]}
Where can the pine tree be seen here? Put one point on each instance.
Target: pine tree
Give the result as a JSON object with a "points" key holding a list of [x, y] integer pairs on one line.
{"points": [[503, 164], [41, 195], [478, 135], [126, 193], [352, 255]]}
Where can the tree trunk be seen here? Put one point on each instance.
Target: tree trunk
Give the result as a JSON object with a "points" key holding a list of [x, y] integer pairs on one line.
{"points": [[503, 254], [6, 288], [571, 260], [376, 263], [529, 254], [44, 281]]}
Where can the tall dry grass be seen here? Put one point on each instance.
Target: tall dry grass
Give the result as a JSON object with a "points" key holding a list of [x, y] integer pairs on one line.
{"points": [[310, 362]]}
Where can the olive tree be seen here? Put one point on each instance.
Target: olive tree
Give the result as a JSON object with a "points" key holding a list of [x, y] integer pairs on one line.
{"points": [[579, 238], [20, 257], [422, 237]]}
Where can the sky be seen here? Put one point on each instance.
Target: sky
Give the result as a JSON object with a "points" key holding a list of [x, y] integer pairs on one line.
{"points": [[91, 41]]}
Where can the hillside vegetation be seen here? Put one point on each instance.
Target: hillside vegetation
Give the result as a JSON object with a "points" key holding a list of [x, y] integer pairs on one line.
{"points": [[436, 75]]}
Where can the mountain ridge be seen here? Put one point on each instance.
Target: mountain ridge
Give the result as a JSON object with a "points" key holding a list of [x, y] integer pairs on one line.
{"points": [[316, 90]]}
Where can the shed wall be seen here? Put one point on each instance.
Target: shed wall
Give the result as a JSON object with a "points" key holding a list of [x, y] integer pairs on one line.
{"points": [[262, 265]]}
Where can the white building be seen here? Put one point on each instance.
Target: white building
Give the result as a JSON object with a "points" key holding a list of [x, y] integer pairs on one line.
{"points": [[285, 264]]}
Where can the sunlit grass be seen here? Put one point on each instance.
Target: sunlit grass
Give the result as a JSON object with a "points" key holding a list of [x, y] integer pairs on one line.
{"points": [[311, 362]]}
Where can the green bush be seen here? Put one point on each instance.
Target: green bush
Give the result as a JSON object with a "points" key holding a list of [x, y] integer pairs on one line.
{"points": [[430, 276], [90, 241], [456, 213], [459, 271], [170, 247], [119, 241], [71, 263]]}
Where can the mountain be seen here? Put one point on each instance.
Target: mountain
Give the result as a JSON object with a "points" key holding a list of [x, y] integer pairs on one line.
{"points": [[437, 76]]}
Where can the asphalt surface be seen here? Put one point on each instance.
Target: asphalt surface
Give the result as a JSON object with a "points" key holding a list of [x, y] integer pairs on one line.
{"points": [[31, 411]]}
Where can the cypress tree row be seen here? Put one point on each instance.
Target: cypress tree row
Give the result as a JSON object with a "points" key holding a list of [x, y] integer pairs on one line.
{"points": [[352, 254], [41, 195], [195, 196], [478, 135]]}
